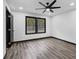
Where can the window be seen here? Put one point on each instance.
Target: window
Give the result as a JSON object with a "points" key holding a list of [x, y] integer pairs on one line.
{"points": [[35, 25], [30, 25], [41, 25]]}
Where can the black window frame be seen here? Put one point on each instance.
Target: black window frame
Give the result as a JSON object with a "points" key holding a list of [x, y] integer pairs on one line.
{"points": [[36, 26]]}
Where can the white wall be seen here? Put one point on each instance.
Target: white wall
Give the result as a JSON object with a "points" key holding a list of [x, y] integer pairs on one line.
{"points": [[64, 26], [19, 27], [61, 26], [4, 33]]}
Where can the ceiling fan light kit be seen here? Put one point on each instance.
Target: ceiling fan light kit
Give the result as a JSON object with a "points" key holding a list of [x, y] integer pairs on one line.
{"points": [[48, 7]]}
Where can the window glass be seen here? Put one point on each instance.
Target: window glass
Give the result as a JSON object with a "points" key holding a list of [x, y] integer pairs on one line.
{"points": [[30, 25], [41, 25]]}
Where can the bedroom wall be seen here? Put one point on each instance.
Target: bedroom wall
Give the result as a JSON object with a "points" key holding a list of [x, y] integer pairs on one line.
{"points": [[64, 26], [19, 27], [4, 33], [61, 26]]}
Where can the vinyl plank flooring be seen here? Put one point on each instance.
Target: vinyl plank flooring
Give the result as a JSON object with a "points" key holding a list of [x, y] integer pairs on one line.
{"points": [[49, 48]]}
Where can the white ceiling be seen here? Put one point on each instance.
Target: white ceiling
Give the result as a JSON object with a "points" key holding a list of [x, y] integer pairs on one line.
{"points": [[31, 5]]}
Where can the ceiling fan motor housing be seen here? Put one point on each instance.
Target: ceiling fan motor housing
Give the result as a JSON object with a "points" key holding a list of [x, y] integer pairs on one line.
{"points": [[47, 3]]}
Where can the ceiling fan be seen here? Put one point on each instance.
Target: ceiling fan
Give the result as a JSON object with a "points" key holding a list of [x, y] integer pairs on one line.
{"points": [[48, 6]]}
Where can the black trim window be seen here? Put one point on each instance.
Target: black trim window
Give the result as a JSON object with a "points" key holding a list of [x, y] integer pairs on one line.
{"points": [[35, 25]]}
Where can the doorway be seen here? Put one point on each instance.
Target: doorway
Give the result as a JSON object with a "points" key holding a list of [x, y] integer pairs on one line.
{"points": [[9, 28]]}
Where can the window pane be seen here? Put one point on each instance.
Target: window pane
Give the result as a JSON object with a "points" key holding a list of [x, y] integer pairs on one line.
{"points": [[41, 25], [30, 25]]}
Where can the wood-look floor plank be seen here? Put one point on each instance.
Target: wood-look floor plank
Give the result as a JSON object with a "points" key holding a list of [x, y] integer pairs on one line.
{"points": [[42, 49]]}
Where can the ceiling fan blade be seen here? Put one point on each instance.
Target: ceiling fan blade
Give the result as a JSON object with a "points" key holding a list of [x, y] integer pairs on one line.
{"points": [[54, 7], [42, 4], [44, 10], [39, 8], [51, 10], [52, 3]]}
